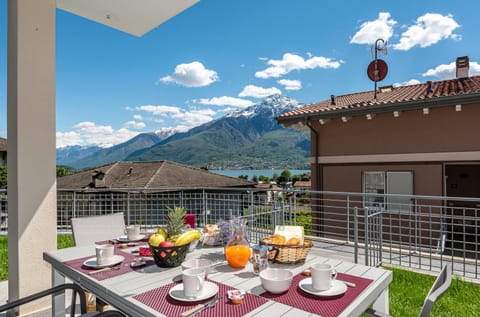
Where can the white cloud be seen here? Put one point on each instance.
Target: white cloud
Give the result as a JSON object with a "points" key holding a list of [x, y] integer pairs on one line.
{"points": [[407, 83], [226, 101], [258, 92], [381, 28], [191, 75], [68, 138], [290, 84], [176, 117], [428, 30], [195, 118], [89, 133], [159, 110], [135, 125], [137, 117], [448, 71], [291, 62]]}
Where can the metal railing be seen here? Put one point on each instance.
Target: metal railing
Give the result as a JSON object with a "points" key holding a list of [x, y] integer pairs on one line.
{"points": [[419, 232]]}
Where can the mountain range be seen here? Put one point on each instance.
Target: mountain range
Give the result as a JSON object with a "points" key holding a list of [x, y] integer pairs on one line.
{"points": [[249, 138]]}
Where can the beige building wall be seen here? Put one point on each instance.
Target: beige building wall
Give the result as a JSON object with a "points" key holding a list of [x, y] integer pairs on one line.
{"points": [[442, 130]]}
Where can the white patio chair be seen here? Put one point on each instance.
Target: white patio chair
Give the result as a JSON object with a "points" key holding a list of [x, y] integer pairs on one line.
{"points": [[88, 230], [438, 288]]}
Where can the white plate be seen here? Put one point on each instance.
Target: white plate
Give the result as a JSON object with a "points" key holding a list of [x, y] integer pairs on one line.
{"points": [[93, 262], [209, 290], [125, 239], [338, 288]]}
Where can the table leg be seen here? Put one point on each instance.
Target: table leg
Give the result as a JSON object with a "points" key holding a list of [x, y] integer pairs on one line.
{"points": [[58, 301], [382, 303]]}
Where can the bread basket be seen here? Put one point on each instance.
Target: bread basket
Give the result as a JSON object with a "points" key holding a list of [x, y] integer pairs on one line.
{"points": [[288, 254]]}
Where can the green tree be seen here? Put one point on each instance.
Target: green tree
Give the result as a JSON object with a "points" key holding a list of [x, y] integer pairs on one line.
{"points": [[255, 178], [284, 177], [245, 177], [264, 179], [3, 176], [296, 178], [61, 171]]}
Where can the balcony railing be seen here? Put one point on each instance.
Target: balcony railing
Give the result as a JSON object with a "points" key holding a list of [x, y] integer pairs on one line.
{"points": [[419, 232]]}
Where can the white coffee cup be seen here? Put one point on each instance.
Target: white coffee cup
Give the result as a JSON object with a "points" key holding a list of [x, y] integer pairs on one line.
{"points": [[104, 254], [133, 232], [193, 280], [322, 276]]}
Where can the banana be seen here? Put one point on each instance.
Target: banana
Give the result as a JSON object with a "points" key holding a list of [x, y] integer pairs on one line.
{"points": [[187, 237]]}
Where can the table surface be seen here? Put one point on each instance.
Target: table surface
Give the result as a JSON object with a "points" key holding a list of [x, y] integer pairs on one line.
{"points": [[119, 290]]}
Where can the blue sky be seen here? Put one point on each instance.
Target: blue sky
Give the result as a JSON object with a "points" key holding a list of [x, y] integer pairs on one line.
{"points": [[223, 55]]}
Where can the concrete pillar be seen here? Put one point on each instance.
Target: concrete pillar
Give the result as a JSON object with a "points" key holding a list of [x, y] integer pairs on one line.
{"points": [[31, 146]]}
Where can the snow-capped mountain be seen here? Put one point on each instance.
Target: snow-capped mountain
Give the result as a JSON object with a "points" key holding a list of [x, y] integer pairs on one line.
{"points": [[164, 133], [272, 106], [249, 138]]}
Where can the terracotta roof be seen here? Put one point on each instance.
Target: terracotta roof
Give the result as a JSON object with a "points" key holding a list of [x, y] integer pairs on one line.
{"points": [[302, 184], [145, 175], [267, 186], [426, 95]]}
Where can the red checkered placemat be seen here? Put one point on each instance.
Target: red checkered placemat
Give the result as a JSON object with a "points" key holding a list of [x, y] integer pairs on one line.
{"points": [[326, 307], [125, 267], [159, 300]]}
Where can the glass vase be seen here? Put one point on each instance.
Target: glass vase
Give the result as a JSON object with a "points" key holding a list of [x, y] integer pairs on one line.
{"points": [[237, 250]]}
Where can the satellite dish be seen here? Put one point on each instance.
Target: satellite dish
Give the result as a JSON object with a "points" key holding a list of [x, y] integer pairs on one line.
{"points": [[379, 72]]}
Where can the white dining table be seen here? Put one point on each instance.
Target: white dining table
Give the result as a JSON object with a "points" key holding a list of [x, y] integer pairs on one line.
{"points": [[119, 291]]}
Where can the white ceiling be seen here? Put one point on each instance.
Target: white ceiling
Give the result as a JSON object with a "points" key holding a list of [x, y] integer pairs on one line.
{"points": [[136, 17]]}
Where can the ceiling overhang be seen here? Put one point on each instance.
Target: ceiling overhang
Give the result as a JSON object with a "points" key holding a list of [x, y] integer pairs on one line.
{"points": [[136, 17]]}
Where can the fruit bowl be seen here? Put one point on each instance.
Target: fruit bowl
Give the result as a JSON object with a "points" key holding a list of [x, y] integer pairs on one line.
{"points": [[170, 256]]}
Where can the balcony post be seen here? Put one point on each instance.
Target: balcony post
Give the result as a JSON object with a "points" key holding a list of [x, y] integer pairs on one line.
{"points": [[31, 147]]}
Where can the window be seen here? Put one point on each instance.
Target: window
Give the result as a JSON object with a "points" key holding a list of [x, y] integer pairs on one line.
{"points": [[391, 183]]}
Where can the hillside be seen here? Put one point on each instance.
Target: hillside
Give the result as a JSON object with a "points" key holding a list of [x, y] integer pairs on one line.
{"points": [[250, 138], [118, 152]]}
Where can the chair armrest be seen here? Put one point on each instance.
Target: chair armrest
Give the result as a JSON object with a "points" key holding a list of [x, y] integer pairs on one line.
{"points": [[76, 290]]}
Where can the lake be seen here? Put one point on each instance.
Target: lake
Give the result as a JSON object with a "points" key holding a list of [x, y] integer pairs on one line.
{"points": [[250, 173]]}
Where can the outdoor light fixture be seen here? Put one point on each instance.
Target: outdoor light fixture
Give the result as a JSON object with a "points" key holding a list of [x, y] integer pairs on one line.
{"points": [[425, 110], [396, 114], [458, 108], [369, 116], [345, 119]]}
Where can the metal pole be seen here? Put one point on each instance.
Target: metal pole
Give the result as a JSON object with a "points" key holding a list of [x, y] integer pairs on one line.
{"points": [[355, 234], [366, 215], [375, 74]]}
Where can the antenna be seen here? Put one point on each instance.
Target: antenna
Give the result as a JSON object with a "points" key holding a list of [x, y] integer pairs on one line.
{"points": [[377, 69]]}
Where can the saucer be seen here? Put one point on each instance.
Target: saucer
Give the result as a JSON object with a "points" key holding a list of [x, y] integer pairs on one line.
{"points": [[209, 289], [125, 238], [92, 263], [337, 288]]}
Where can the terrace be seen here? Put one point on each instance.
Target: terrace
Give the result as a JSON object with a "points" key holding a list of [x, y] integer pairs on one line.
{"points": [[423, 235], [415, 232]]}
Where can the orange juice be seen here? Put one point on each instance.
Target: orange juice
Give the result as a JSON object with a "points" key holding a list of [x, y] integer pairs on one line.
{"points": [[237, 255]]}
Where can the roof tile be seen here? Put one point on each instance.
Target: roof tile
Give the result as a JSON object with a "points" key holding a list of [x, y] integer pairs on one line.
{"points": [[399, 94]]}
